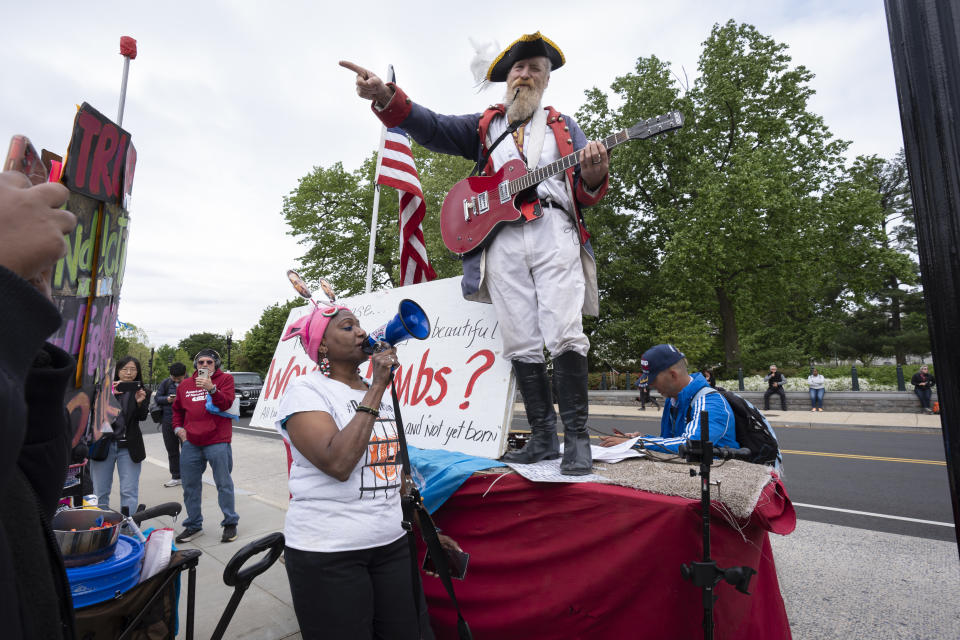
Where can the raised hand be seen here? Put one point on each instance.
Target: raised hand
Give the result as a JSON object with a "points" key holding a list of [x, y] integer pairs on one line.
{"points": [[369, 85], [33, 227]]}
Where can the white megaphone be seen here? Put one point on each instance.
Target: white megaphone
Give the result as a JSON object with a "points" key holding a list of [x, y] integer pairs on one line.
{"points": [[410, 322]]}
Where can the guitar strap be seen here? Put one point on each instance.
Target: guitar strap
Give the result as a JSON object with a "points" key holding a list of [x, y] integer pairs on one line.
{"points": [[483, 160], [428, 530]]}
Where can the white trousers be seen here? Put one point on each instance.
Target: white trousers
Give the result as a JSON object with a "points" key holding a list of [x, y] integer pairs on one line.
{"points": [[536, 284]]}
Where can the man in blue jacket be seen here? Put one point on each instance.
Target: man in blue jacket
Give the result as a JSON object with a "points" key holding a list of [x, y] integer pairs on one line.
{"points": [[686, 396], [540, 276]]}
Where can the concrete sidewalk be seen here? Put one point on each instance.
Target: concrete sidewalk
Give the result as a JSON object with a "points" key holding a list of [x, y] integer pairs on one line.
{"points": [[260, 478], [836, 581]]}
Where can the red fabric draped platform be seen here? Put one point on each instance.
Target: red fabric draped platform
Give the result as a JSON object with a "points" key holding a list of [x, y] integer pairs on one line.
{"points": [[598, 561]]}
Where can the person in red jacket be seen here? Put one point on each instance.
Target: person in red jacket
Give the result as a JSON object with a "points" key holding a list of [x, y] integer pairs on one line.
{"points": [[206, 437]]}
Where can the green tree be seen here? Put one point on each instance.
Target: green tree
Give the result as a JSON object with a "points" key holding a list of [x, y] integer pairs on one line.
{"points": [[729, 207], [330, 211], [261, 340], [205, 340], [130, 340]]}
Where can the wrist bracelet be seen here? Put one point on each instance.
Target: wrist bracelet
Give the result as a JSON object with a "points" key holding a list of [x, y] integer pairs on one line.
{"points": [[370, 410]]}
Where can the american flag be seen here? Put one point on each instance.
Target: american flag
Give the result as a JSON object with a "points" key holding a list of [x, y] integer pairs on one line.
{"points": [[398, 170]]}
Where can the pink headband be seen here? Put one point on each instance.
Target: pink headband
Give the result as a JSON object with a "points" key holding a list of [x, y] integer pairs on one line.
{"points": [[310, 329]]}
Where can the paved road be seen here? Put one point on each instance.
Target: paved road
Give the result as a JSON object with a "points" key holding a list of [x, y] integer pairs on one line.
{"points": [[889, 472], [832, 473]]}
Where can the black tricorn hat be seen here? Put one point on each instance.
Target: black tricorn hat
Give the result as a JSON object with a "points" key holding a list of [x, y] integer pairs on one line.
{"points": [[526, 46]]}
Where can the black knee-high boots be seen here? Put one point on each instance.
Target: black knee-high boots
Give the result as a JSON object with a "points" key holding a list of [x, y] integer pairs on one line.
{"points": [[535, 388], [570, 374]]}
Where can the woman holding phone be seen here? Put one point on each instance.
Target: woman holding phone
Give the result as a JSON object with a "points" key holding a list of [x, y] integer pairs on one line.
{"points": [[347, 561], [125, 448]]}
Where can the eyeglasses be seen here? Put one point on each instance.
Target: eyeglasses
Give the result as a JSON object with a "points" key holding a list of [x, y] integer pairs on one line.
{"points": [[205, 361], [129, 368]]}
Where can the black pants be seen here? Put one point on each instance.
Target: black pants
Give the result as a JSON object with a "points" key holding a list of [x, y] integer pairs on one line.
{"points": [[645, 398], [925, 394], [357, 595], [770, 392], [172, 444]]}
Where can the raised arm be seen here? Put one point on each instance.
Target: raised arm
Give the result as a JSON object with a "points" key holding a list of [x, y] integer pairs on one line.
{"points": [[336, 451]]}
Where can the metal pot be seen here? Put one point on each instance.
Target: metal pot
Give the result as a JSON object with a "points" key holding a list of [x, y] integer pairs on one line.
{"points": [[85, 545]]}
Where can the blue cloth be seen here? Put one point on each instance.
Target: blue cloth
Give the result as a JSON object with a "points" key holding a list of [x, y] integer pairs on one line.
{"points": [[674, 428], [439, 474], [212, 408], [193, 462]]}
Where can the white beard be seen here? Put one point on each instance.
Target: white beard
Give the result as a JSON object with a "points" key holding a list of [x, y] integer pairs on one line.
{"points": [[522, 107]]}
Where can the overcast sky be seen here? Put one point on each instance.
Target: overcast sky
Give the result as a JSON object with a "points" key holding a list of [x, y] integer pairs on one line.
{"points": [[230, 103]]}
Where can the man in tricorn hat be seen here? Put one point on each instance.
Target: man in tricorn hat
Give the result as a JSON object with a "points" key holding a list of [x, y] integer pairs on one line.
{"points": [[540, 276]]}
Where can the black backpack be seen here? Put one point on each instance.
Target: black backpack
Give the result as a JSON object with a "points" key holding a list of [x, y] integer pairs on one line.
{"points": [[752, 429]]}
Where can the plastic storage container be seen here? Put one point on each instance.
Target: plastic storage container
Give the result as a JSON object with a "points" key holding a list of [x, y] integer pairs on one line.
{"points": [[104, 580]]}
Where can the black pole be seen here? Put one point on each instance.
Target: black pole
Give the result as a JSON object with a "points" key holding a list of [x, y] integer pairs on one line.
{"points": [[706, 459], [901, 384], [151, 368], [854, 379], [740, 378], [706, 574], [229, 343], [925, 43]]}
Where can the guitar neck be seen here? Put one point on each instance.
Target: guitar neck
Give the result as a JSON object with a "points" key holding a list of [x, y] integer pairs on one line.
{"points": [[540, 174]]}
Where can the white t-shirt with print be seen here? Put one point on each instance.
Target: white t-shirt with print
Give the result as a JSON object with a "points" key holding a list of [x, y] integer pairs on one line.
{"points": [[328, 515]]}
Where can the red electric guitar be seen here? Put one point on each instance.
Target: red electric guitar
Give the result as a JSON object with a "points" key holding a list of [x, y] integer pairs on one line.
{"points": [[476, 207]]}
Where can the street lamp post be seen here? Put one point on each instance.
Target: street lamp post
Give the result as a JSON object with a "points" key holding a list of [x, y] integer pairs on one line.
{"points": [[229, 344], [151, 368]]}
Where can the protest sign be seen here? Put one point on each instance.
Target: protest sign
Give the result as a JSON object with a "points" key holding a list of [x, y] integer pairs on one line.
{"points": [[86, 282], [97, 157], [456, 390]]}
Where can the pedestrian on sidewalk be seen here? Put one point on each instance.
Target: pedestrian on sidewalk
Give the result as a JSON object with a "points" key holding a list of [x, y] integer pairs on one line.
{"points": [[817, 384], [347, 557], [923, 383], [124, 444], [774, 381], [166, 394], [643, 386], [205, 435]]}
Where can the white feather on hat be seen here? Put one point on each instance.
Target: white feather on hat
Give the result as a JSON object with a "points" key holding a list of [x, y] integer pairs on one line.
{"points": [[485, 53]]}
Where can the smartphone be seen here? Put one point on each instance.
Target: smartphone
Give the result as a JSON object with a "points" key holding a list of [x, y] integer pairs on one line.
{"points": [[456, 561], [128, 387], [23, 157], [203, 372]]}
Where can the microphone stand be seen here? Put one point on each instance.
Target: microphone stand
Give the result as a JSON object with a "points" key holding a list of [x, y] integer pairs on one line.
{"points": [[706, 574]]}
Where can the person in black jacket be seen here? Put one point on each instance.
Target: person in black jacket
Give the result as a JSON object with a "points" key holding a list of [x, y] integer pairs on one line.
{"points": [[34, 433], [923, 383], [124, 447], [166, 394], [774, 381]]}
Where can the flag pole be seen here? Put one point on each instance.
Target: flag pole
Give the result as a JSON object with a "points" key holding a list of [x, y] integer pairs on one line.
{"points": [[128, 49], [376, 197]]}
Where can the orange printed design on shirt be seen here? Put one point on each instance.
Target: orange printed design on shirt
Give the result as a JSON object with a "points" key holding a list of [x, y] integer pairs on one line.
{"points": [[382, 453]]}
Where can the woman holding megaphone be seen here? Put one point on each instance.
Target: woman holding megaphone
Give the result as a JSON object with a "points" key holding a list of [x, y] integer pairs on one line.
{"points": [[346, 558]]}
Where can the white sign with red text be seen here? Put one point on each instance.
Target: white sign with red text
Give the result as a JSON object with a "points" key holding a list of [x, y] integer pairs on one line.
{"points": [[456, 390]]}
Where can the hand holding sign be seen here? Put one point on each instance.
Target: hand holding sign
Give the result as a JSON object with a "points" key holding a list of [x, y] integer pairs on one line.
{"points": [[33, 226]]}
